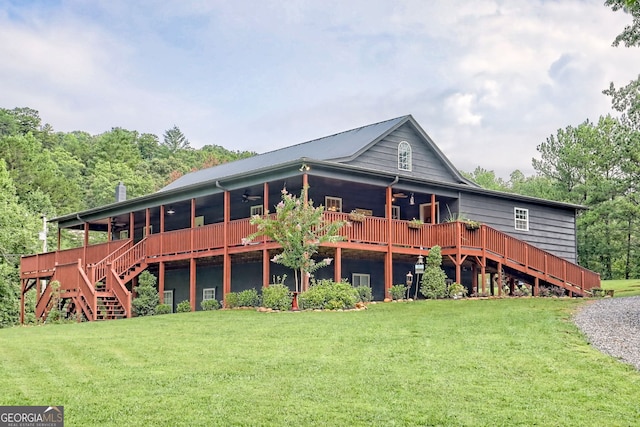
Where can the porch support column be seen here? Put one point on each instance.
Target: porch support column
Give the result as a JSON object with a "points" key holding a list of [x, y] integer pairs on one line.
{"points": [[226, 258], [305, 187], [433, 209], [337, 267], [266, 266], [458, 257], [512, 286], [147, 222], [192, 283], [499, 279], [536, 287], [85, 244], [161, 281], [131, 225], [492, 278], [388, 259], [109, 231]]}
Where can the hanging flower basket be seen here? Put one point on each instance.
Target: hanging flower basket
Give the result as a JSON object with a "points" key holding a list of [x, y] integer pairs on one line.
{"points": [[356, 216], [471, 225], [415, 224]]}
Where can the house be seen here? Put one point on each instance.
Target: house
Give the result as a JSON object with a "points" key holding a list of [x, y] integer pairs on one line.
{"points": [[189, 234]]}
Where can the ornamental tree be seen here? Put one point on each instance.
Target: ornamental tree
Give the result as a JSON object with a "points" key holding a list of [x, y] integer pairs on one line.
{"points": [[300, 229]]}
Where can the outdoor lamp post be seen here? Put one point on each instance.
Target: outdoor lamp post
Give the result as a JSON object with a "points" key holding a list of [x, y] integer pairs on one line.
{"points": [[419, 269], [409, 283]]}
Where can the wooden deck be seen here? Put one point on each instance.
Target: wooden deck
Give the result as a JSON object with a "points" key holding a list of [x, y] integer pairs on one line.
{"points": [[115, 263]]}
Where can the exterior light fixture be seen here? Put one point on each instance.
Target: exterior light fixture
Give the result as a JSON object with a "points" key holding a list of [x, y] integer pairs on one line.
{"points": [[419, 267], [170, 211], [409, 279]]}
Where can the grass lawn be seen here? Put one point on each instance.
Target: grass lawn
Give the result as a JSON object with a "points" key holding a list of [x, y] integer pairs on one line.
{"points": [[503, 362], [622, 288]]}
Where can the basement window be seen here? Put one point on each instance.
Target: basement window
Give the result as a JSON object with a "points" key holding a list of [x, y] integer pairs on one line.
{"points": [[168, 298], [521, 218], [360, 279], [208, 294], [404, 156]]}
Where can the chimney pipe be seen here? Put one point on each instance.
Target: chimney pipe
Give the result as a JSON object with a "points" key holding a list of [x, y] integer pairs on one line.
{"points": [[121, 192]]}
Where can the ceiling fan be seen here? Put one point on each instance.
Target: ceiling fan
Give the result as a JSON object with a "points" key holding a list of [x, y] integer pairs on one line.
{"points": [[400, 195], [246, 197]]}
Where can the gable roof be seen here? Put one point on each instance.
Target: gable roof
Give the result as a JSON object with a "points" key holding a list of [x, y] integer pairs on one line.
{"points": [[338, 148]]}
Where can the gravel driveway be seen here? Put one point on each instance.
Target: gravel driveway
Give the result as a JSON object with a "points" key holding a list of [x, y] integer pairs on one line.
{"points": [[612, 325]]}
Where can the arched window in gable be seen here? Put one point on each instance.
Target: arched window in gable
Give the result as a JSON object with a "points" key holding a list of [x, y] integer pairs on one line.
{"points": [[404, 156]]}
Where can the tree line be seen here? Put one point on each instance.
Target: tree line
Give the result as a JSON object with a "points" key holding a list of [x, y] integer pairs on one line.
{"points": [[44, 172]]}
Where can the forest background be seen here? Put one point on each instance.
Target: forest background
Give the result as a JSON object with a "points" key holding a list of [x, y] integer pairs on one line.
{"points": [[44, 173]]}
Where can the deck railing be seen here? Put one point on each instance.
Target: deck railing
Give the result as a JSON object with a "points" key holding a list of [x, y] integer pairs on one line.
{"points": [[483, 241]]}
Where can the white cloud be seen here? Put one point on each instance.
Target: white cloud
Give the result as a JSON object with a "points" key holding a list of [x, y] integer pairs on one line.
{"points": [[480, 77]]}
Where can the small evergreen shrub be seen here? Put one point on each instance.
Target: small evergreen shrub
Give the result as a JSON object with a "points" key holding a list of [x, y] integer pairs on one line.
{"points": [[329, 295], [398, 291], [163, 309], [277, 297], [249, 298], [434, 279], [183, 307], [364, 293], [210, 304], [147, 295], [597, 292], [231, 300]]}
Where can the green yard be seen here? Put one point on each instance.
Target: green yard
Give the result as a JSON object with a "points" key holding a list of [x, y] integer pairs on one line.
{"points": [[622, 288], [471, 362]]}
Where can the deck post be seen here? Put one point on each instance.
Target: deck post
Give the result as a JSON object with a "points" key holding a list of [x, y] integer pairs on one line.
{"points": [[192, 283], [337, 266], [474, 278], [536, 287], [499, 273], [161, 281], [22, 286], [266, 266], [226, 258], [388, 265]]}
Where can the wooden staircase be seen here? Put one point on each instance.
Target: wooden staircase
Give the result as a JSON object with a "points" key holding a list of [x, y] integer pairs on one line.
{"points": [[108, 299]]}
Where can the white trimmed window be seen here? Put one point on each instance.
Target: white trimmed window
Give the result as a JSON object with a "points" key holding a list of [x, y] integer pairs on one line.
{"points": [[360, 279], [521, 218], [333, 204], [208, 293], [257, 210], [168, 298], [404, 156]]}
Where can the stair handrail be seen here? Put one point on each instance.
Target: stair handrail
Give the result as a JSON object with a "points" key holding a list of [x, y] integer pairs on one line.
{"points": [[98, 270], [122, 263], [87, 291]]}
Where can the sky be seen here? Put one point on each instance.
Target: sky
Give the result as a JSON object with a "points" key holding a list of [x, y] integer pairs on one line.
{"points": [[487, 80]]}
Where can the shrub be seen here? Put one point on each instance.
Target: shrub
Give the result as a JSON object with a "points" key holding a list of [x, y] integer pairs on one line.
{"points": [[231, 300], [522, 291], [147, 300], [558, 291], [397, 291], [364, 293], [457, 290], [249, 298], [163, 309], [544, 291], [277, 297], [597, 292], [327, 294], [434, 279], [210, 304], [183, 307]]}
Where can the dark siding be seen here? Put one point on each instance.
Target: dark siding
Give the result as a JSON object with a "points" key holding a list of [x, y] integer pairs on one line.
{"points": [[551, 229], [426, 164]]}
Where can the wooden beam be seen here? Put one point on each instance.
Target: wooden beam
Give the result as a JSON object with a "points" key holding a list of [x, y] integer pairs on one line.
{"points": [[161, 281], [192, 283], [388, 267], [337, 266]]}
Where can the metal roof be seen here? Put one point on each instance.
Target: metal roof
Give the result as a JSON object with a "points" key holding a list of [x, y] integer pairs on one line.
{"points": [[339, 146]]}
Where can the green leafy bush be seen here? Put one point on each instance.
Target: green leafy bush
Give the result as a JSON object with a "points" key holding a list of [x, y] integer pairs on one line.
{"points": [[231, 300], [163, 309], [210, 304], [398, 291], [183, 307], [364, 293], [249, 298], [434, 279], [597, 292], [456, 290], [277, 297], [327, 294], [147, 295]]}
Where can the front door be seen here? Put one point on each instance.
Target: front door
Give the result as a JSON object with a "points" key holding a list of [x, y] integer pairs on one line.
{"points": [[425, 213]]}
